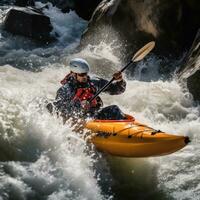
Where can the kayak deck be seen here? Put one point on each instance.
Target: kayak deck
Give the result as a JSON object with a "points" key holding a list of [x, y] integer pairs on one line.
{"points": [[129, 138]]}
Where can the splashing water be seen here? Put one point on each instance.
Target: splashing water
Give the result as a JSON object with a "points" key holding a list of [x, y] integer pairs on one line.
{"points": [[42, 159], [52, 158], [68, 26]]}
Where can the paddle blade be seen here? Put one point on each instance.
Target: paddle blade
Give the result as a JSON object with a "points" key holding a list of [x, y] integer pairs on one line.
{"points": [[140, 54]]}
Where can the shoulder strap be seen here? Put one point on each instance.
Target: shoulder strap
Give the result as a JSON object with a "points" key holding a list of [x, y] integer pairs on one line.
{"points": [[66, 79]]}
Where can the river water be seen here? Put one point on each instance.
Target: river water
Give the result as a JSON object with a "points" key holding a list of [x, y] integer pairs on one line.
{"points": [[42, 159]]}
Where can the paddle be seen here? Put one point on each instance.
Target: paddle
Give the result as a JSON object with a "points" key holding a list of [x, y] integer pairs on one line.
{"points": [[139, 55]]}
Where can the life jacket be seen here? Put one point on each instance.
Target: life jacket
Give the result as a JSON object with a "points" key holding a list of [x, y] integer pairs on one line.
{"points": [[84, 93]]}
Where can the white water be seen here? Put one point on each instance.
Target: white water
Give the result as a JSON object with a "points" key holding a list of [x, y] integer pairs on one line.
{"points": [[50, 161]]}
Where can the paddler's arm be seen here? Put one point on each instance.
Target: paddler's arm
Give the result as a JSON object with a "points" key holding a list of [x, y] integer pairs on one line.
{"points": [[115, 88]]}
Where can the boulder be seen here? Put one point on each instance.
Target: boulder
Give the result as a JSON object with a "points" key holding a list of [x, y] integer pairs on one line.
{"points": [[134, 23], [193, 83], [29, 22], [84, 8], [24, 3], [189, 73]]}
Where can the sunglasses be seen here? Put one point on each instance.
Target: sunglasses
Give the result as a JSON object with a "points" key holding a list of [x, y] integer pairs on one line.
{"points": [[82, 74]]}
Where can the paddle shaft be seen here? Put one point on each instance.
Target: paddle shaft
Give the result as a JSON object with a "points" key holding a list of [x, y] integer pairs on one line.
{"points": [[139, 55], [106, 85]]}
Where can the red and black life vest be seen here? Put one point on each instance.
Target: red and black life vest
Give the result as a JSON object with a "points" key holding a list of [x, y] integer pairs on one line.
{"points": [[84, 93]]}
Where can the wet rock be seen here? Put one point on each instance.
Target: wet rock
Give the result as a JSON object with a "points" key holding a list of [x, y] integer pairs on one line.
{"points": [[84, 8], [193, 83], [29, 22], [134, 23], [24, 3], [189, 73]]}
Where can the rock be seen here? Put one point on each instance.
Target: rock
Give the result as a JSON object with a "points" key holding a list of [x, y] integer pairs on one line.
{"points": [[134, 23], [29, 22], [84, 8], [193, 83], [24, 3], [189, 73], [64, 5]]}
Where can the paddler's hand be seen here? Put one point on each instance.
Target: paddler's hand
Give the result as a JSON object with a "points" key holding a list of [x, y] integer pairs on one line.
{"points": [[85, 105], [118, 76]]}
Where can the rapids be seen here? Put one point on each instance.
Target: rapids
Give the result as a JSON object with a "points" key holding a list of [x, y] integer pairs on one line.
{"points": [[42, 159]]}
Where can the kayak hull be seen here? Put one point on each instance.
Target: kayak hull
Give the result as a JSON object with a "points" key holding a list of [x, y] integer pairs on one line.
{"points": [[129, 138]]}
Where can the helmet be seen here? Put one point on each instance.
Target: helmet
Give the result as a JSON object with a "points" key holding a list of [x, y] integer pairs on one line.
{"points": [[79, 65]]}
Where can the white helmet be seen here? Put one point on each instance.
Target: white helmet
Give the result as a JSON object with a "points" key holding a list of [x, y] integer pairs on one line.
{"points": [[79, 65]]}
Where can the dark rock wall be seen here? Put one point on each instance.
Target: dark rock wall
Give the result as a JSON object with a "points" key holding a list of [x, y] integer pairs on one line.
{"points": [[173, 24], [189, 72], [84, 8], [23, 3]]}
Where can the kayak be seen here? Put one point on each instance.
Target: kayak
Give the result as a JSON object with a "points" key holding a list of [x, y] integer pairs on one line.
{"points": [[130, 138]]}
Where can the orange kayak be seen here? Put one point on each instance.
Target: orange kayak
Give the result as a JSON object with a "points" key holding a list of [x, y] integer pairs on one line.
{"points": [[129, 138]]}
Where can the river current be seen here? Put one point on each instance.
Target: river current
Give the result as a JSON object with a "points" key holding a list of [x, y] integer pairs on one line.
{"points": [[40, 158]]}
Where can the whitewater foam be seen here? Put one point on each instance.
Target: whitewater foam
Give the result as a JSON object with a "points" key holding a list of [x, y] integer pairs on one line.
{"points": [[44, 159]]}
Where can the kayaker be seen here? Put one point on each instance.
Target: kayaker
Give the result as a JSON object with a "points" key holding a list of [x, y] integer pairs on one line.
{"points": [[78, 88]]}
